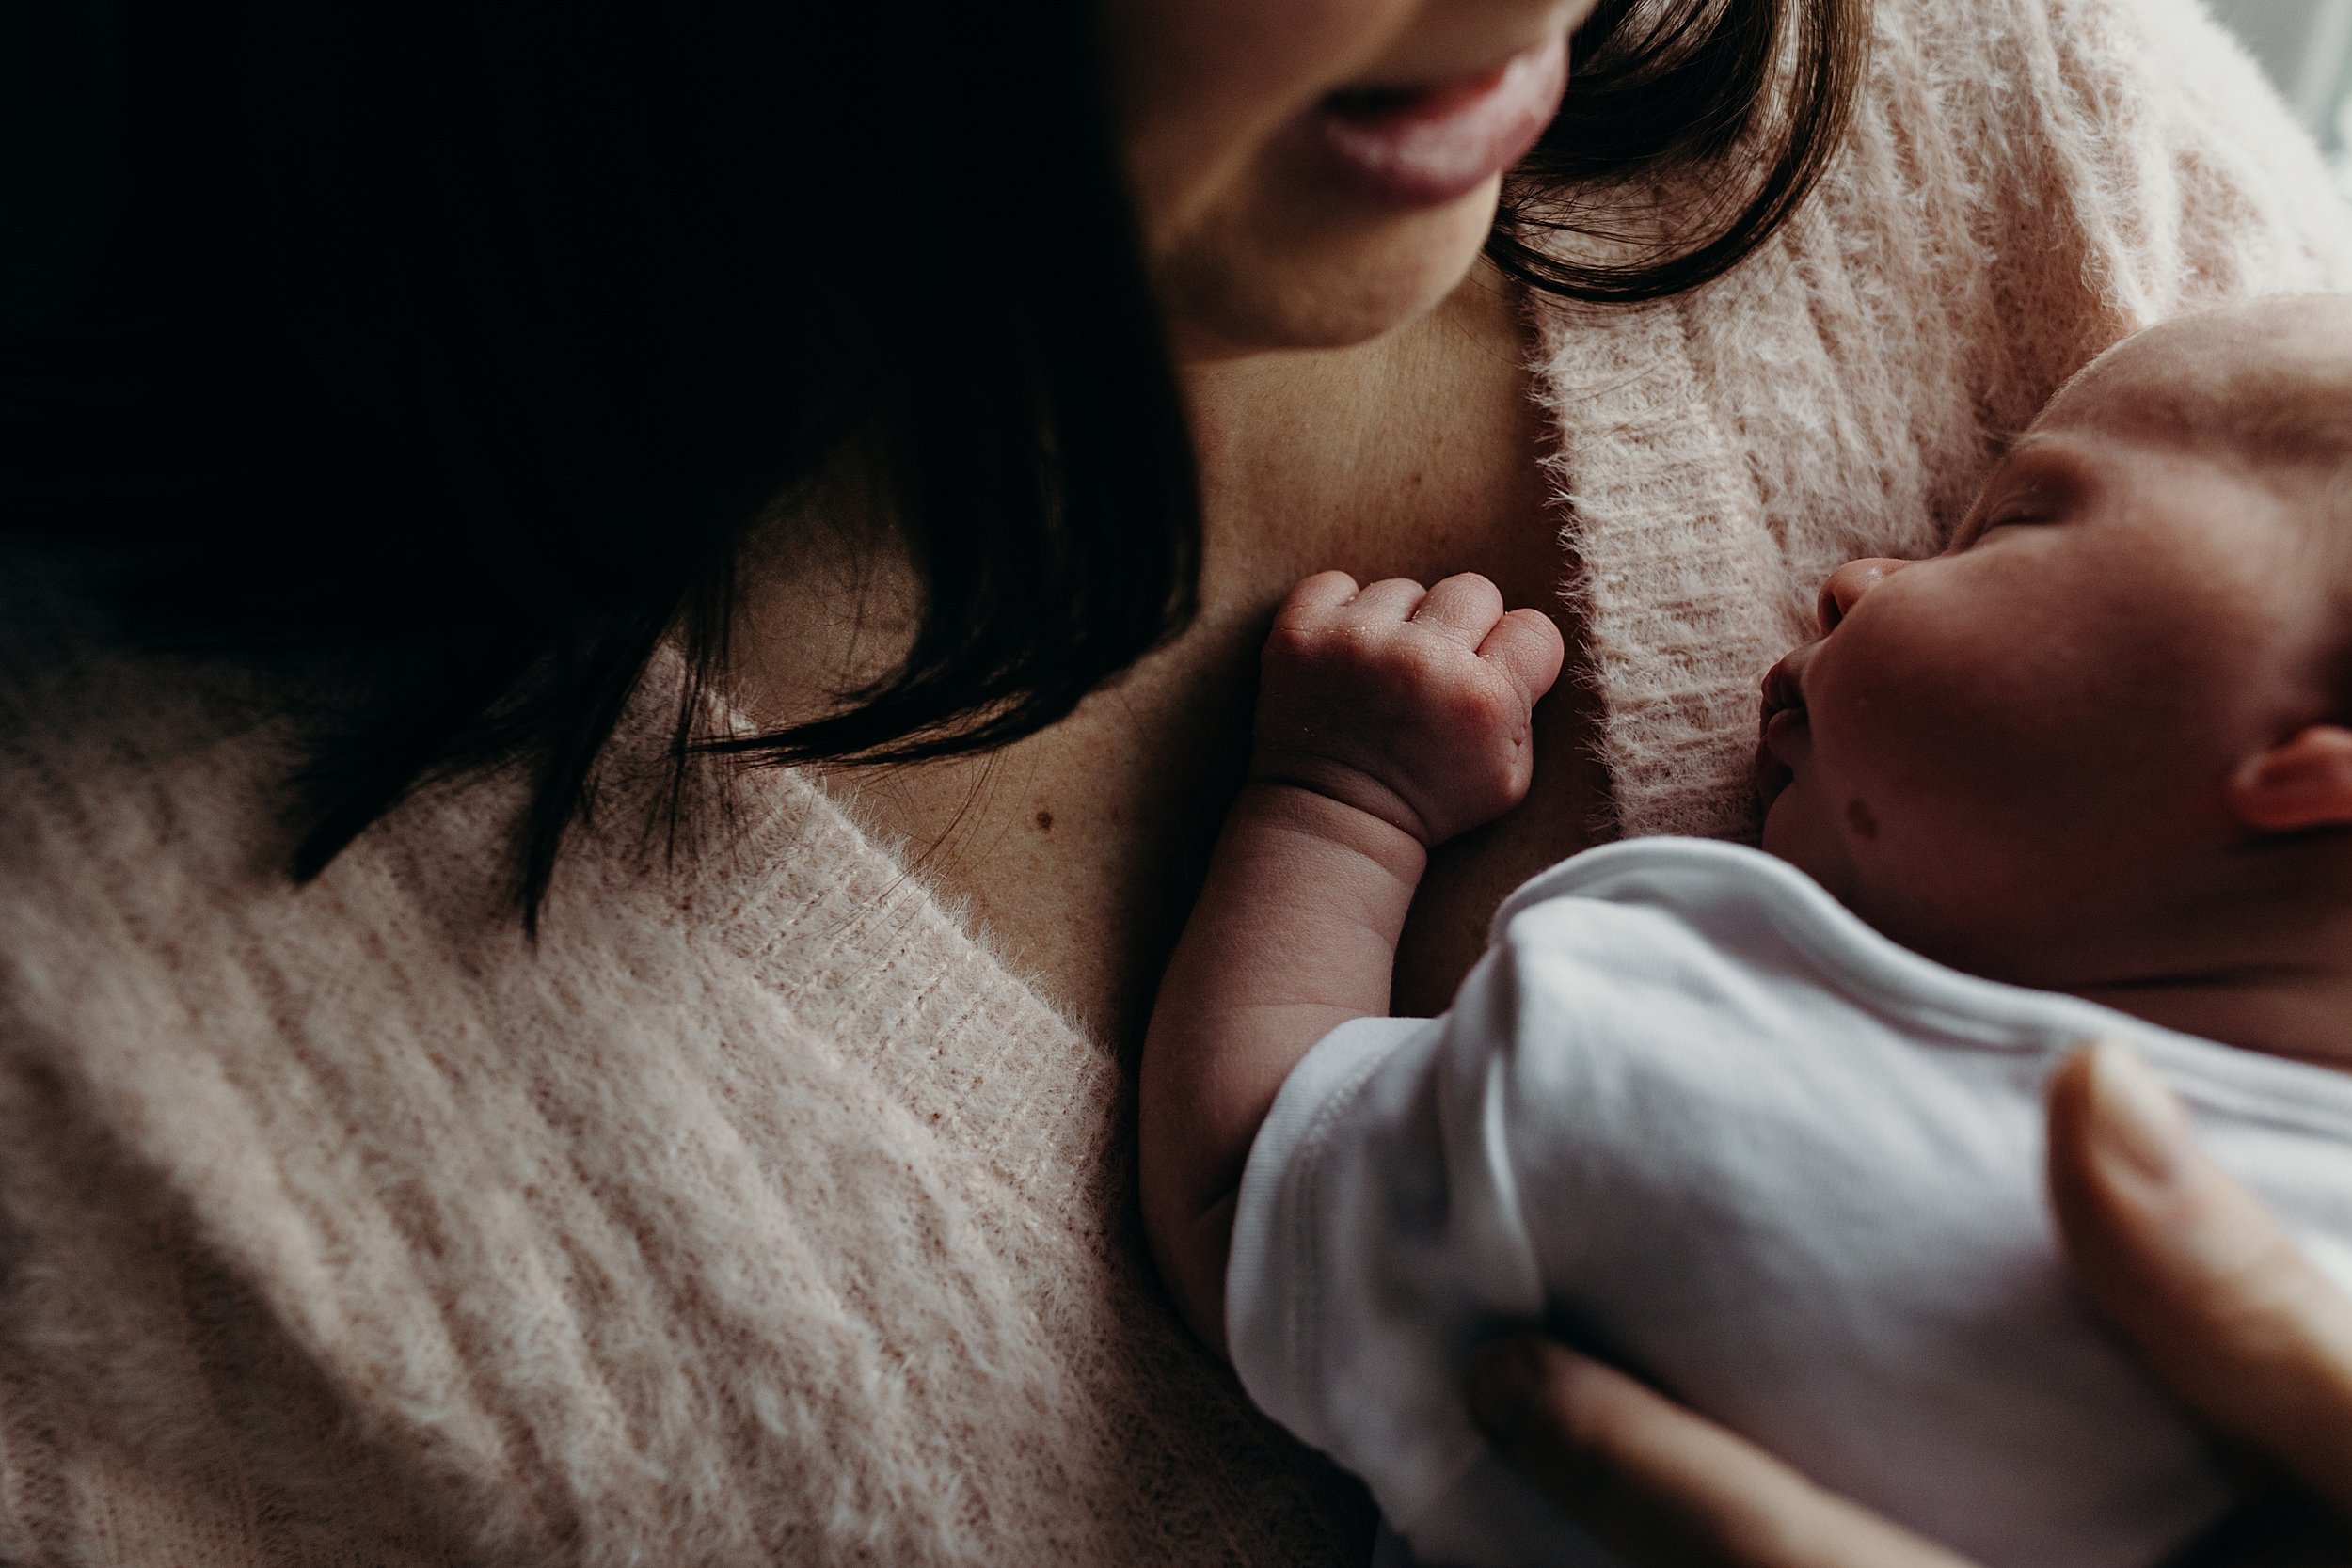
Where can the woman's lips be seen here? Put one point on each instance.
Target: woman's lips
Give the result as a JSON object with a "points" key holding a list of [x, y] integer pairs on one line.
{"points": [[1427, 146]]}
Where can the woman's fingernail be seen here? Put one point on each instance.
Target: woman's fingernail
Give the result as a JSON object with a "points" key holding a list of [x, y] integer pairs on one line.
{"points": [[2134, 1114], [1503, 1378]]}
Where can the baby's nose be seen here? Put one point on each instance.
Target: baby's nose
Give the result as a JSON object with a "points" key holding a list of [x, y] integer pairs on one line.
{"points": [[1846, 585]]}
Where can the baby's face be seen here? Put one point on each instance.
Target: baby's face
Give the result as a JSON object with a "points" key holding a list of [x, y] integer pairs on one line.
{"points": [[2015, 756]]}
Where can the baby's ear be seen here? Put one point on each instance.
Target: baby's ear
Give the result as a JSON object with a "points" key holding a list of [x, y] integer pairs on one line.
{"points": [[2303, 782]]}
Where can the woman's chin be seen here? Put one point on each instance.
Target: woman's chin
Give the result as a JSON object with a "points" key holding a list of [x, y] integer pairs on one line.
{"points": [[1321, 276]]}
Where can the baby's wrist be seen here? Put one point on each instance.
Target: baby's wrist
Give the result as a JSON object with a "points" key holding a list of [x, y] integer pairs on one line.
{"points": [[1343, 784], [1280, 800]]}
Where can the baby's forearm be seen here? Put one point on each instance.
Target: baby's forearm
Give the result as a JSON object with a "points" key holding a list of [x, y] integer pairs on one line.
{"points": [[1294, 934], [1390, 718]]}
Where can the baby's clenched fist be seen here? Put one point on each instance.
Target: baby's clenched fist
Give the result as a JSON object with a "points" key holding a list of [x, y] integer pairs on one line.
{"points": [[1411, 705]]}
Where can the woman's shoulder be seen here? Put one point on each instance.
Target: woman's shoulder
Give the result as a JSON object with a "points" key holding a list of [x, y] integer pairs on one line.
{"points": [[2138, 132], [2025, 182]]}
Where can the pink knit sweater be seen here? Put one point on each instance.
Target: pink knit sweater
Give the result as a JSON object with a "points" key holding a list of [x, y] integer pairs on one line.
{"points": [[760, 1216]]}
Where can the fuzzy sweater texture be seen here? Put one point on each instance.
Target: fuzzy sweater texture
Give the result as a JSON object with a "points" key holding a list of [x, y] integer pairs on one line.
{"points": [[760, 1215]]}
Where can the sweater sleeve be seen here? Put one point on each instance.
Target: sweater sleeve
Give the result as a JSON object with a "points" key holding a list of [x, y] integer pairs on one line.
{"points": [[2133, 163], [2196, 179]]}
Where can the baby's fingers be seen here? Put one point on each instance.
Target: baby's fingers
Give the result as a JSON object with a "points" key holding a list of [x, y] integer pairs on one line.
{"points": [[1315, 600], [1381, 606], [1527, 645], [2216, 1297], [1462, 609]]}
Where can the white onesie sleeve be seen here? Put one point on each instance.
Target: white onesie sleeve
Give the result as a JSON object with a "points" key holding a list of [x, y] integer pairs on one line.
{"points": [[1689, 1113]]}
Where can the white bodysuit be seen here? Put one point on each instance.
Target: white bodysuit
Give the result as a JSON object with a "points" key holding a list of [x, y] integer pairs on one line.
{"points": [[1691, 1114]]}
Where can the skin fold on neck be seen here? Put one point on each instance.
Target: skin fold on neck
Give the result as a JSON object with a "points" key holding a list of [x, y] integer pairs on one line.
{"points": [[2260, 958]]}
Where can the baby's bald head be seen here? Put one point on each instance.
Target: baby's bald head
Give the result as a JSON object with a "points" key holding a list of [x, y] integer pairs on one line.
{"points": [[2264, 385]]}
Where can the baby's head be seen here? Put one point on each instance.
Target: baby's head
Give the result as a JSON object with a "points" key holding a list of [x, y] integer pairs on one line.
{"points": [[2108, 731]]}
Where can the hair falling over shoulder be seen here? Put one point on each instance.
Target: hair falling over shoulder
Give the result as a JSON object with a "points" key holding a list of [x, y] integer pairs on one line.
{"points": [[466, 347]]}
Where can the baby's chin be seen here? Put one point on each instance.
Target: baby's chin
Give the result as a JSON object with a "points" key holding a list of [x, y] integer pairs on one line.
{"points": [[1822, 845], [1782, 833], [1795, 832]]}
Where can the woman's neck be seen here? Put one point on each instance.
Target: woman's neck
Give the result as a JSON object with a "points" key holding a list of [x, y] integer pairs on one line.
{"points": [[1076, 852]]}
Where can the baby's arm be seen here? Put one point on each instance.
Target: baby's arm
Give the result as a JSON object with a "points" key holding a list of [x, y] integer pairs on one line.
{"points": [[1388, 721]]}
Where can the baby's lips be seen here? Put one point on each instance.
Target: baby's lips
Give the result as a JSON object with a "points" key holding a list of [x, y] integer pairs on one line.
{"points": [[1783, 687], [1779, 722], [1781, 712]]}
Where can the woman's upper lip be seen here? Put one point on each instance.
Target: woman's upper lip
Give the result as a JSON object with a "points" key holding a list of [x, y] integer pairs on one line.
{"points": [[1466, 59], [1380, 94]]}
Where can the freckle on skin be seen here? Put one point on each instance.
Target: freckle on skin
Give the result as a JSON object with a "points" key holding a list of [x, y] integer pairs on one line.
{"points": [[1858, 817], [1045, 821]]}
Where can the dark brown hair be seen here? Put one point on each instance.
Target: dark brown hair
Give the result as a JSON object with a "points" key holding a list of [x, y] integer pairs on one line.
{"points": [[1692, 129], [459, 347]]}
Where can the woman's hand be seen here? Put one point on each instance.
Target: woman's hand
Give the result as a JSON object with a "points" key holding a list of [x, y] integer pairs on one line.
{"points": [[2194, 1271], [1661, 1485], [2218, 1301]]}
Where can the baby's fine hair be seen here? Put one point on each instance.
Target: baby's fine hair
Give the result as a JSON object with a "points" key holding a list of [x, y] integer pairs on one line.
{"points": [[2265, 385]]}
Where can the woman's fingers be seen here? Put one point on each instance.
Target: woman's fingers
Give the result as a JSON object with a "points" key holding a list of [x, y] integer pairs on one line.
{"points": [[2210, 1287], [1661, 1485]]}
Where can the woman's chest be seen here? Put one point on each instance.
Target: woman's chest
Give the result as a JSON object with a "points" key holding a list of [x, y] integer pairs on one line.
{"points": [[1076, 853]]}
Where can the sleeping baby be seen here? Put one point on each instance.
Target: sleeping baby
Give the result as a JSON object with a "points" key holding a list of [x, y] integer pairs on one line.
{"points": [[1765, 1128]]}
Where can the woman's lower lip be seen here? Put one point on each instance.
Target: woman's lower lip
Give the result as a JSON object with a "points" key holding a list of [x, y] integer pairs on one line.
{"points": [[1431, 146]]}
